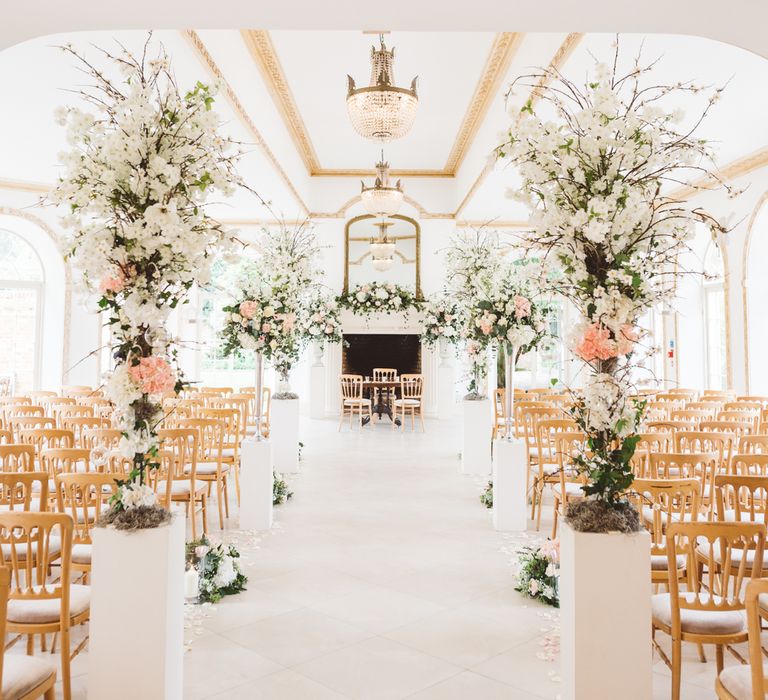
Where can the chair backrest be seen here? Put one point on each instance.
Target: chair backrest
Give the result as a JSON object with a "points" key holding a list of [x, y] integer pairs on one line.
{"points": [[411, 386], [690, 415], [24, 491], [384, 374], [753, 444], [756, 589], [547, 432], [499, 406], [19, 423], [105, 437], [748, 465], [718, 395], [668, 426], [647, 444], [703, 441], [210, 437], [687, 465], [85, 497], [65, 460], [72, 390], [24, 410], [17, 458], [239, 402], [570, 444], [712, 407], [81, 425], [687, 394], [215, 390], [741, 498], [44, 438], [6, 437], [230, 417], [670, 500], [351, 386], [530, 416], [738, 427]]}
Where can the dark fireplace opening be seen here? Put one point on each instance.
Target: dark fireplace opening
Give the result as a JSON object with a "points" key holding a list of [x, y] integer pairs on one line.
{"points": [[368, 350]]}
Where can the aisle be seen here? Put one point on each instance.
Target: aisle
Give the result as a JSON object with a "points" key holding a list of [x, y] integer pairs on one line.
{"points": [[383, 579]]}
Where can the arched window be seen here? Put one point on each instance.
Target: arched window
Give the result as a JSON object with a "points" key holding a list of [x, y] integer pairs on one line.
{"points": [[21, 313], [715, 356]]}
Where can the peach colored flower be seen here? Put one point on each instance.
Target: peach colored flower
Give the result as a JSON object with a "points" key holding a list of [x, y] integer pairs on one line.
{"points": [[289, 320], [522, 307], [628, 336], [266, 327], [248, 309], [112, 284], [596, 344], [153, 375]]}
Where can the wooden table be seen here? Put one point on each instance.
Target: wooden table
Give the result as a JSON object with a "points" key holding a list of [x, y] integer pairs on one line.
{"points": [[384, 406]]}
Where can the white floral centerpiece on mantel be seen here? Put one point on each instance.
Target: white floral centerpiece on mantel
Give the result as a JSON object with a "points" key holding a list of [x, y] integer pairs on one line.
{"points": [[378, 298], [145, 160]]}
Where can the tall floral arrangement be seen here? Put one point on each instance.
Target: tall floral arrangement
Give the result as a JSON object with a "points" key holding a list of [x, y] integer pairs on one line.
{"points": [[598, 163], [145, 159], [322, 322], [443, 320]]}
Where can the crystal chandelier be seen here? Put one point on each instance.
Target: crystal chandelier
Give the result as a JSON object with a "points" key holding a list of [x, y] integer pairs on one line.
{"points": [[381, 111], [383, 199], [382, 249]]}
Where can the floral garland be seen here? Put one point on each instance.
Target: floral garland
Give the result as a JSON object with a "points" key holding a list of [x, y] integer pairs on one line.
{"points": [[322, 322], [145, 160], [443, 319], [218, 568], [538, 574], [374, 298], [280, 491], [595, 178]]}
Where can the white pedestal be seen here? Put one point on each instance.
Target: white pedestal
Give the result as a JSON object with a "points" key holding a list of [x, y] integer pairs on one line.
{"points": [[605, 613], [510, 510], [284, 435], [137, 614], [256, 484], [476, 448], [317, 391], [446, 405]]}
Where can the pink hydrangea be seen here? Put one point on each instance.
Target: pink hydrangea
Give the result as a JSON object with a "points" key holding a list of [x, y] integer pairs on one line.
{"points": [[153, 375], [626, 340], [289, 320], [112, 284], [486, 323], [597, 344], [248, 309], [522, 307]]}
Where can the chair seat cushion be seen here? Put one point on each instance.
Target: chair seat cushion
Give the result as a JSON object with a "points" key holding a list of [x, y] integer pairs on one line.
{"points": [[745, 516], [22, 674], [659, 562], [702, 550], [21, 550], [42, 611], [572, 488], [357, 402], [207, 468], [181, 488], [81, 554], [737, 680], [228, 452], [407, 402], [717, 622]]}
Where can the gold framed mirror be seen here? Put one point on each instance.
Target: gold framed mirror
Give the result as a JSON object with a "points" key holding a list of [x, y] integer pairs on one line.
{"points": [[405, 269]]}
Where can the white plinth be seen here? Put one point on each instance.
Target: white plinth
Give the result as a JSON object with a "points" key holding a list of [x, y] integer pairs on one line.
{"points": [[509, 498], [317, 391], [256, 484], [284, 435], [605, 613], [446, 406], [476, 447], [137, 614]]}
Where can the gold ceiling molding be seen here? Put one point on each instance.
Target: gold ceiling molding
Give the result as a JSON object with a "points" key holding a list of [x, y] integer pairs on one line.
{"points": [[504, 48], [736, 168], [561, 56], [263, 52], [207, 60], [24, 186]]}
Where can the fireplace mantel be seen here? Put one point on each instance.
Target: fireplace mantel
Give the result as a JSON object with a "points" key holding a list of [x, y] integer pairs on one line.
{"points": [[410, 323]]}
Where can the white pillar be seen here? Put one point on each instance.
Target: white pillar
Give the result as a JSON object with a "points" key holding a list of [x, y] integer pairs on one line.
{"points": [[256, 485], [317, 383], [605, 614], [137, 613], [510, 509], [477, 426], [284, 435]]}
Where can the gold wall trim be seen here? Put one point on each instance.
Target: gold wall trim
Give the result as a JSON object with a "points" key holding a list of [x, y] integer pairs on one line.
{"points": [[560, 58], [265, 56], [24, 186], [207, 60]]}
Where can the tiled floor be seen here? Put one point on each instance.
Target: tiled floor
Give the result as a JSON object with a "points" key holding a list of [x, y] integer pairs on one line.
{"points": [[383, 579]]}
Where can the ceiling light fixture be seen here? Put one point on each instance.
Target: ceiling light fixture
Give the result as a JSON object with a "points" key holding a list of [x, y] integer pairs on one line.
{"points": [[383, 199], [381, 111], [382, 249]]}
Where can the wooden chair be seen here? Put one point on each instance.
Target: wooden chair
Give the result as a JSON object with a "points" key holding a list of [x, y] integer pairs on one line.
{"points": [[669, 426], [698, 441], [567, 446], [79, 425], [24, 491], [6, 437], [741, 498], [36, 605], [748, 465], [753, 444], [230, 447], [202, 467], [45, 438], [686, 394], [65, 460], [21, 677], [499, 428], [352, 400], [736, 427], [19, 423], [84, 497], [741, 682], [688, 465], [384, 374], [549, 460], [649, 443], [712, 610], [411, 400], [214, 390], [17, 458]]}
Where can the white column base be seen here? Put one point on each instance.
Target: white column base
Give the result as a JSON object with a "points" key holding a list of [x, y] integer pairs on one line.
{"points": [[317, 391], [284, 435], [510, 509], [446, 406], [256, 485], [605, 613], [137, 613], [476, 448]]}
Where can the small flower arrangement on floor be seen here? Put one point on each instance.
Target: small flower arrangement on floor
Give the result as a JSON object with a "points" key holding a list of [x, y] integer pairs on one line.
{"points": [[538, 575], [218, 567], [486, 497], [280, 491]]}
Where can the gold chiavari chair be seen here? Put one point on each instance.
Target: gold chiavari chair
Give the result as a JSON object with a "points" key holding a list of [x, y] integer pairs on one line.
{"points": [[741, 498], [742, 682], [17, 424], [548, 460], [750, 417], [37, 605], [80, 425], [17, 458], [735, 427], [718, 395], [352, 400], [64, 413], [529, 417], [677, 400], [411, 401], [6, 401], [180, 448], [47, 438], [664, 502], [23, 491], [384, 374], [748, 465], [21, 677], [108, 438], [567, 446], [39, 394], [669, 426], [688, 465], [689, 415], [85, 497], [699, 441], [209, 467], [25, 410], [762, 400], [700, 615], [647, 444], [517, 410], [499, 414], [54, 403], [753, 444]]}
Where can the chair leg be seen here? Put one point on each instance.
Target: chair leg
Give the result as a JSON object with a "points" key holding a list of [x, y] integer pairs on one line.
{"points": [[191, 511], [226, 496], [66, 680], [555, 513], [204, 514], [541, 507], [676, 668], [237, 483], [50, 694], [220, 504], [719, 657]]}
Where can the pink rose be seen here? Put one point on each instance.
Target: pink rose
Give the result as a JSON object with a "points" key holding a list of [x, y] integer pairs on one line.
{"points": [[289, 320], [522, 307], [153, 375], [266, 327], [248, 309]]}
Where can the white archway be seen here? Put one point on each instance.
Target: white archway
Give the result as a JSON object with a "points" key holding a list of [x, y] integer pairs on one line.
{"points": [[755, 285]]}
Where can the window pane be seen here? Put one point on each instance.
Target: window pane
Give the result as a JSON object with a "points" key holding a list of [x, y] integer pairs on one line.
{"points": [[714, 307], [18, 261], [18, 321]]}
